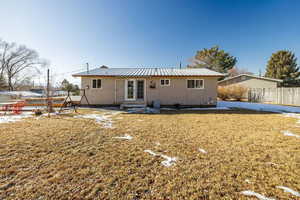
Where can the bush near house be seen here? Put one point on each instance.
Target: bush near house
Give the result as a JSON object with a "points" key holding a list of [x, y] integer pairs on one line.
{"points": [[235, 92]]}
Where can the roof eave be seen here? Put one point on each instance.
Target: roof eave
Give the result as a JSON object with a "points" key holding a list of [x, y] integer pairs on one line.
{"points": [[91, 75]]}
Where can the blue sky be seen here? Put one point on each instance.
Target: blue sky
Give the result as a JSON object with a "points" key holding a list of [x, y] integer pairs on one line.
{"points": [[130, 33]]}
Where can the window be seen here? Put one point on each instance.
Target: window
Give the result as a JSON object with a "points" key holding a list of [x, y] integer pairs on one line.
{"points": [[165, 82], [96, 83], [196, 84]]}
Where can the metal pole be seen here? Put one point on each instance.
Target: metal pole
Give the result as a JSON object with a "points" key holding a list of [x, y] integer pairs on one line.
{"points": [[49, 103], [48, 86], [87, 68]]}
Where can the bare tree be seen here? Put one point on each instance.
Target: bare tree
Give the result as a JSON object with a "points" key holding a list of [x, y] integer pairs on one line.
{"points": [[235, 71], [16, 59]]}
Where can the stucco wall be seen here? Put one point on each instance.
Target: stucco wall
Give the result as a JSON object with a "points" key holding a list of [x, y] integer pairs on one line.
{"points": [[250, 82], [176, 93], [104, 95]]}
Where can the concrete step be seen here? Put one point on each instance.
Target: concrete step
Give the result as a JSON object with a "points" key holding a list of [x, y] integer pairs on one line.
{"points": [[131, 105]]}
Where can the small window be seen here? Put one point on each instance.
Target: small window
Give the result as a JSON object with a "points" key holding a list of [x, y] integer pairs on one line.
{"points": [[96, 83], [196, 84], [165, 82]]}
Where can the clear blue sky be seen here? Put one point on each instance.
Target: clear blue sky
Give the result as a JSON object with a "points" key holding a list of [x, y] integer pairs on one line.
{"points": [[122, 33]]}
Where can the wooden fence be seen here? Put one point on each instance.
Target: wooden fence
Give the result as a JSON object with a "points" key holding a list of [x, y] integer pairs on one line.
{"points": [[286, 96]]}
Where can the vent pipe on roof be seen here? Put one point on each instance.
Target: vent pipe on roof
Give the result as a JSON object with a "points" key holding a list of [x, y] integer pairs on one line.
{"points": [[87, 68]]}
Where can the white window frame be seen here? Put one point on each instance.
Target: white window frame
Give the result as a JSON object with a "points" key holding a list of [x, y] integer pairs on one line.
{"points": [[134, 90], [96, 83], [164, 85], [187, 84]]}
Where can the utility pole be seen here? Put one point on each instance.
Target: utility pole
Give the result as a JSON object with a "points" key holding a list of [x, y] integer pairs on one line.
{"points": [[87, 68], [259, 72], [49, 103], [180, 65]]}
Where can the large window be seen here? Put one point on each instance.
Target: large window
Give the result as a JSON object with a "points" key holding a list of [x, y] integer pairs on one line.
{"points": [[165, 82], [195, 84], [96, 83]]}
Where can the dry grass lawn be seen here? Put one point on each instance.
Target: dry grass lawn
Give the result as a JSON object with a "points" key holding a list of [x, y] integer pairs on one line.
{"points": [[72, 158]]}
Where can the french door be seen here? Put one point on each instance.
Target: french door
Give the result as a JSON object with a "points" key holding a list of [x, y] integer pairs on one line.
{"points": [[134, 89]]}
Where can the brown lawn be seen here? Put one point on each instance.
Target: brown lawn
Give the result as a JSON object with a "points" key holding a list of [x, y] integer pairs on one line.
{"points": [[73, 158]]}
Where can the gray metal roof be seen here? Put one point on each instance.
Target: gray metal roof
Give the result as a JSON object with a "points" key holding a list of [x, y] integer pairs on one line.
{"points": [[144, 72], [252, 76]]}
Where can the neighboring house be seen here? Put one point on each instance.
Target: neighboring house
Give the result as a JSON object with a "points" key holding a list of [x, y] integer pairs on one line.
{"points": [[169, 86], [251, 81]]}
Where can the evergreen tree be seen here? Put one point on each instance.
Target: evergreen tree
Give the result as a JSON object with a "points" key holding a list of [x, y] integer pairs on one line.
{"points": [[283, 65], [215, 59]]}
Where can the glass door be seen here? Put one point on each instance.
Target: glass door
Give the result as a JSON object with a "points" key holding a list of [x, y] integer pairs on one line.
{"points": [[130, 90], [140, 90]]}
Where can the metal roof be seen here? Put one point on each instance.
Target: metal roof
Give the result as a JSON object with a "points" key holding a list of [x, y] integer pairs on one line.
{"points": [[148, 72], [252, 76]]}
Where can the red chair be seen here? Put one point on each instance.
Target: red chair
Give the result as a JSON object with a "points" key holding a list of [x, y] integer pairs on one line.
{"points": [[17, 108]]}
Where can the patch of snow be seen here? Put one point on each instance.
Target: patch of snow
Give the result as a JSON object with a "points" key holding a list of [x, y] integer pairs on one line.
{"points": [[168, 162], [202, 150], [289, 190], [211, 108], [259, 107], [168, 109], [103, 119], [14, 118], [289, 133], [247, 181], [125, 137], [146, 110], [293, 115], [257, 195], [21, 93], [51, 114], [151, 152]]}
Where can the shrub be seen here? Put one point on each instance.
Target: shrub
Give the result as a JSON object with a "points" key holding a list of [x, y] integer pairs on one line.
{"points": [[223, 93], [235, 92]]}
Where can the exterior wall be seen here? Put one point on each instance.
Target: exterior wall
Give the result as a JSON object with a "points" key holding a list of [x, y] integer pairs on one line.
{"points": [[178, 93], [104, 95], [113, 91], [250, 82]]}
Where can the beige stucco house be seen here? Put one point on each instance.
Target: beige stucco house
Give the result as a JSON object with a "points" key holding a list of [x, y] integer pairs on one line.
{"points": [[169, 86], [251, 81]]}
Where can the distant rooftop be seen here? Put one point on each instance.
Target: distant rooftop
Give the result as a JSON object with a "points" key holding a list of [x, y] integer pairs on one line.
{"points": [[147, 72], [252, 76]]}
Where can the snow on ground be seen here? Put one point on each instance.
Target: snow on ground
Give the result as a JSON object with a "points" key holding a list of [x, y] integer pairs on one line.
{"points": [[247, 181], [168, 162], [293, 115], [191, 109], [259, 107], [286, 189], [146, 110], [257, 195], [151, 152], [14, 118], [21, 93], [289, 133], [104, 119], [202, 150], [125, 137], [211, 108]]}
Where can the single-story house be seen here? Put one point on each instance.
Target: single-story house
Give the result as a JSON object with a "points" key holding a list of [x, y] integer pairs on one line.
{"points": [[168, 86], [251, 81]]}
